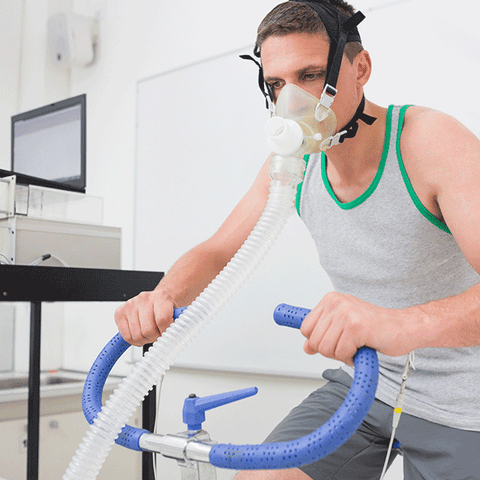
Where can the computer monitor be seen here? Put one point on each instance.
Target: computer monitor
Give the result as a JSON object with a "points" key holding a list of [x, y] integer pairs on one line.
{"points": [[49, 145]]}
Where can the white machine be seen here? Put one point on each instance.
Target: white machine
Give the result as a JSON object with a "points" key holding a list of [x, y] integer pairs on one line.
{"points": [[54, 227]]}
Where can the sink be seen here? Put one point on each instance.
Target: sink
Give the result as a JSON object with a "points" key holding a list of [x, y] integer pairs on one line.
{"points": [[15, 382], [62, 387], [9, 383], [14, 386]]}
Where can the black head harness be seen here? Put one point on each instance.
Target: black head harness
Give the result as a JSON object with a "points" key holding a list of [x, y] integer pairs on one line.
{"points": [[341, 29]]}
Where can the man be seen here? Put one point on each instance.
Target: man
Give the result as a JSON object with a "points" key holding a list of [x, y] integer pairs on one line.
{"points": [[394, 209]]}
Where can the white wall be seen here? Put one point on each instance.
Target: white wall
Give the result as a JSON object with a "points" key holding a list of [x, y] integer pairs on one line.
{"points": [[10, 59], [140, 39], [147, 37]]}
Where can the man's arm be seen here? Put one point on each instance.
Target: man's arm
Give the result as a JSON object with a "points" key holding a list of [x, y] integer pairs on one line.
{"points": [[442, 159], [340, 324], [449, 158], [144, 318]]}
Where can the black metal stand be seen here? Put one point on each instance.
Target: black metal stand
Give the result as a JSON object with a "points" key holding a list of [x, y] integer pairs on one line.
{"points": [[59, 284], [33, 427], [148, 423]]}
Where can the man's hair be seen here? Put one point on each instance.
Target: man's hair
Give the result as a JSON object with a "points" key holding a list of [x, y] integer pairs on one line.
{"points": [[296, 17]]}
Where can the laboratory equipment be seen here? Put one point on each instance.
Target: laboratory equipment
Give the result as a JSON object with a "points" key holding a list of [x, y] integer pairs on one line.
{"points": [[195, 451], [49, 145]]}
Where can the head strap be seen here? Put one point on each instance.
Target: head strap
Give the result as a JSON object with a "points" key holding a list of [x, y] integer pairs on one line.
{"points": [[341, 29], [262, 84], [351, 128]]}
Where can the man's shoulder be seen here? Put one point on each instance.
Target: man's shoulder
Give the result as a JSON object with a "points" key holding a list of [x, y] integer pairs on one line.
{"points": [[429, 132], [426, 126], [437, 151]]}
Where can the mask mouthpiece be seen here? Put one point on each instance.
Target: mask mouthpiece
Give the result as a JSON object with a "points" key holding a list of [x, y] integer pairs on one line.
{"points": [[296, 124], [284, 136]]}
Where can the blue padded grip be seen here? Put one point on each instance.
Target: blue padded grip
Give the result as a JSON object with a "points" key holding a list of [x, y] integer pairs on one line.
{"points": [[95, 382], [323, 441], [289, 316]]}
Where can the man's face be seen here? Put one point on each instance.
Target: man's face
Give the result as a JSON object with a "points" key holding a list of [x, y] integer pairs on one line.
{"points": [[301, 59]]}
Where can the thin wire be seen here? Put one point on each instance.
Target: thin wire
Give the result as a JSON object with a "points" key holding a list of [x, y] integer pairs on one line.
{"points": [[45, 257], [6, 258], [389, 451], [156, 425], [398, 409]]}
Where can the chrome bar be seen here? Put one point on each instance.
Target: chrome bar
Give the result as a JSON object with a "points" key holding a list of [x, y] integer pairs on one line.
{"points": [[179, 447]]}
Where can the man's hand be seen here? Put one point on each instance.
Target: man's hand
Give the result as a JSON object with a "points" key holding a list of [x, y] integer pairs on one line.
{"points": [[340, 324], [145, 317]]}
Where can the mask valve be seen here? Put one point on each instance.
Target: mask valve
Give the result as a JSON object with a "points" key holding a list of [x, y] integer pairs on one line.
{"points": [[284, 136], [295, 128]]}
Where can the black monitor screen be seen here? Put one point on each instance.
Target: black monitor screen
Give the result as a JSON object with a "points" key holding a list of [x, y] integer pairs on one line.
{"points": [[48, 144]]}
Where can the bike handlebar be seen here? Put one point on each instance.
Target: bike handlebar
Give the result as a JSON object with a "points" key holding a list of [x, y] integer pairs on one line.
{"points": [[95, 382], [320, 443]]}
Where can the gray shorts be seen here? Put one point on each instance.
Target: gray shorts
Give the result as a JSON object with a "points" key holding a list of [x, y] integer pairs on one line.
{"points": [[430, 451]]}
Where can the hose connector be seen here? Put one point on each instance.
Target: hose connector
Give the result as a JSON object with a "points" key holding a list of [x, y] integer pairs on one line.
{"points": [[284, 136], [287, 170]]}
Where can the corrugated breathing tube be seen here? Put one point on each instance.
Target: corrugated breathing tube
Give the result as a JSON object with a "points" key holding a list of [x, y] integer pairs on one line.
{"points": [[286, 172]]}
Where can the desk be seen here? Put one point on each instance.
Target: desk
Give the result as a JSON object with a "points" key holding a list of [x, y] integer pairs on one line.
{"points": [[58, 284]]}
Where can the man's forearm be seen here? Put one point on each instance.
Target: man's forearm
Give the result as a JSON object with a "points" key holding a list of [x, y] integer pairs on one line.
{"points": [[452, 322], [191, 274]]}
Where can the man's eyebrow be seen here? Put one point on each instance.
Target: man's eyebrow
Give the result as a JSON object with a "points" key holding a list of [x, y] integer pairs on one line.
{"points": [[312, 68], [308, 69], [272, 79]]}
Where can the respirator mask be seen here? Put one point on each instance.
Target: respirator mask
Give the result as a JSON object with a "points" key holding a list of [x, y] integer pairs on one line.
{"points": [[300, 120], [300, 125]]}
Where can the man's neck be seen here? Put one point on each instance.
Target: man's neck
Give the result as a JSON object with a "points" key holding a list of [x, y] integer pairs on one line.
{"points": [[352, 164]]}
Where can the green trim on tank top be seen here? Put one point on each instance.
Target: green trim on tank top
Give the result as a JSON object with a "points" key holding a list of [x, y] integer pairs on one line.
{"points": [[373, 185], [306, 158], [420, 207], [381, 167]]}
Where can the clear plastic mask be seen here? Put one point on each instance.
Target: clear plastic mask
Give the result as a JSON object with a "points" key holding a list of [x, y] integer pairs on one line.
{"points": [[296, 104]]}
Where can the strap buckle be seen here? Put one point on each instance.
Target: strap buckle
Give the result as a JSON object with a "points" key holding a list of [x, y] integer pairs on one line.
{"points": [[325, 103], [332, 141]]}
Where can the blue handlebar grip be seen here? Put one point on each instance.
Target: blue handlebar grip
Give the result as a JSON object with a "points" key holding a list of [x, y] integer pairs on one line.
{"points": [[178, 311], [95, 382], [323, 441], [318, 444], [290, 316]]}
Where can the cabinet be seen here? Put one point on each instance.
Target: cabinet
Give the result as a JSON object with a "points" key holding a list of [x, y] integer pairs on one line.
{"points": [[60, 435], [50, 284]]}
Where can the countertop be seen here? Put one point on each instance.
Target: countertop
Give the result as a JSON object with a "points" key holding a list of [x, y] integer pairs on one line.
{"points": [[60, 392]]}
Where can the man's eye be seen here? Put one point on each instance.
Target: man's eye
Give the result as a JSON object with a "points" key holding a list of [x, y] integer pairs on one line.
{"points": [[274, 86], [312, 76]]}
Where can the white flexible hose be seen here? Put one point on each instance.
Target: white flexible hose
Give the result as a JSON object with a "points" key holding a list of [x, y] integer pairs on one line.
{"points": [[286, 173]]}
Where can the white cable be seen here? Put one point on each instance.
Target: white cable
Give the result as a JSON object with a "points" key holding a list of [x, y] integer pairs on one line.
{"points": [[65, 264], [7, 260], [155, 428], [397, 412], [390, 446], [40, 260], [45, 257]]}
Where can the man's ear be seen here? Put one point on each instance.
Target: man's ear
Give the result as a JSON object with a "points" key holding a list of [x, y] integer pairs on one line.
{"points": [[363, 63]]}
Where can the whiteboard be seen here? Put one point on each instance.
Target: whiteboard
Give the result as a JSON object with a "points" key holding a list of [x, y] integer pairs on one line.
{"points": [[200, 144]]}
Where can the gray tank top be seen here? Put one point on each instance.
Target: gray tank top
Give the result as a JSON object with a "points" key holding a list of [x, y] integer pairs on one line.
{"points": [[385, 248]]}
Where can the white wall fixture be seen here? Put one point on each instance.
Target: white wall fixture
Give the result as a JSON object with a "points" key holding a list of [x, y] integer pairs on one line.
{"points": [[72, 39]]}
